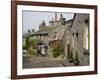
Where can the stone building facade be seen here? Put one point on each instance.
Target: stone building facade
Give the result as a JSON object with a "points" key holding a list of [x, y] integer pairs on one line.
{"points": [[80, 35], [76, 37], [72, 35], [54, 31]]}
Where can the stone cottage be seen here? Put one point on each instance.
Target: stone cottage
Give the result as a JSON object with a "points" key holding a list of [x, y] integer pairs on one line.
{"points": [[72, 35], [76, 37]]}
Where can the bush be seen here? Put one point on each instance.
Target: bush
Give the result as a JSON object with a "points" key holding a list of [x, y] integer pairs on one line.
{"points": [[31, 45], [24, 48], [31, 51], [56, 51], [27, 43]]}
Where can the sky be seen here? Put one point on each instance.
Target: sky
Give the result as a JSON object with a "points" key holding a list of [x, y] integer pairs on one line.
{"points": [[32, 19]]}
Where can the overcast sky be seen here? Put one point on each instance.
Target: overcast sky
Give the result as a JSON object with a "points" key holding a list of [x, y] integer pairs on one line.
{"points": [[32, 19]]}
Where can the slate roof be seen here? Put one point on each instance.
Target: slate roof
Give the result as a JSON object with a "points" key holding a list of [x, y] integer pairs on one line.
{"points": [[49, 30]]}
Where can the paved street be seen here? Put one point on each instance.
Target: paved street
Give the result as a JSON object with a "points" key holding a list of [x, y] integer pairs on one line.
{"points": [[43, 62], [38, 62]]}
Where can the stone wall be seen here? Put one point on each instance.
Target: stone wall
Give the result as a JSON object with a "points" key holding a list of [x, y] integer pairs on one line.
{"points": [[73, 37], [77, 31]]}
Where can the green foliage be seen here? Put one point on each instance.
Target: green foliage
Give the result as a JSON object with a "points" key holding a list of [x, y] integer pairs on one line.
{"points": [[31, 51], [24, 47], [31, 45], [27, 43], [56, 51]]}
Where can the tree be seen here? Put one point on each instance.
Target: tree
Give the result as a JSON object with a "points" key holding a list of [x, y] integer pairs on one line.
{"points": [[27, 42]]}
